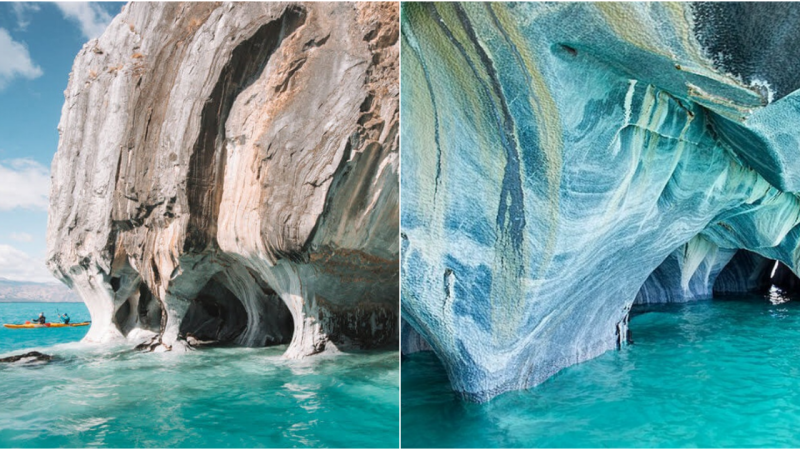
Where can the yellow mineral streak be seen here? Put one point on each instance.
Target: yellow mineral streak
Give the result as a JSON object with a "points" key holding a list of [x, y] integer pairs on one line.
{"points": [[631, 23], [548, 124]]}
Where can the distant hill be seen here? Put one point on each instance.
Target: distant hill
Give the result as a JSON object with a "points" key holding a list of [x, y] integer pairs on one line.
{"points": [[25, 291]]}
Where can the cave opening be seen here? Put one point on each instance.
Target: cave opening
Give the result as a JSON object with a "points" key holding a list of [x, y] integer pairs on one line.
{"points": [[216, 315], [256, 317], [746, 273], [784, 281], [141, 310], [725, 275], [751, 273], [270, 322]]}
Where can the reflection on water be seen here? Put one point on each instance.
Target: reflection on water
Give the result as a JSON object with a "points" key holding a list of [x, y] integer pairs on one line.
{"points": [[777, 296]]}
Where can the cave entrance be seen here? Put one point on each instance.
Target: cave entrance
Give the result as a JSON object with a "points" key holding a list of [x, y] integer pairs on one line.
{"points": [[784, 282], [270, 322], [751, 273], [256, 317], [141, 310], [745, 273], [216, 315]]}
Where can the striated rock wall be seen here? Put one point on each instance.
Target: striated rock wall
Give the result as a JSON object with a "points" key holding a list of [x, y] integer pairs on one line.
{"points": [[229, 172], [562, 152], [689, 273]]}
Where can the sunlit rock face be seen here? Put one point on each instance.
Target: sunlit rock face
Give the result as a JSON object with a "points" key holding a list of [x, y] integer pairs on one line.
{"points": [[557, 155], [229, 173]]}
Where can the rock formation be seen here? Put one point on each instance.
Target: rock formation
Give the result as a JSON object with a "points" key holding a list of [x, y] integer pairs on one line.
{"points": [[27, 358], [411, 341], [688, 273], [562, 154], [229, 173]]}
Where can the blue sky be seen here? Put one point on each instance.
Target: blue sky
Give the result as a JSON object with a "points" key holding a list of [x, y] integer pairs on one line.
{"points": [[38, 42]]}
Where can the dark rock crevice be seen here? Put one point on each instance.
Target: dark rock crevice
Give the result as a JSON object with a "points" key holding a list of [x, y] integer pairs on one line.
{"points": [[214, 315], [746, 273], [785, 279], [207, 163]]}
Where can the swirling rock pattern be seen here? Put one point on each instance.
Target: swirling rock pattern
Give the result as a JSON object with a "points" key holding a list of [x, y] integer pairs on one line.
{"points": [[689, 273], [555, 155], [229, 172]]}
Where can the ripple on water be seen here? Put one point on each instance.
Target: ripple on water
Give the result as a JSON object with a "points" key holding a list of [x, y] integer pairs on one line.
{"points": [[100, 396], [717, 373]]}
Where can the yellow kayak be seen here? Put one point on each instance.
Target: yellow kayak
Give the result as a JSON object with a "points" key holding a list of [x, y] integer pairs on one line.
{"points": [[46, 325]]}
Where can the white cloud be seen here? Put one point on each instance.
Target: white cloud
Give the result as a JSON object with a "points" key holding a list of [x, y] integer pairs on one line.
{"points": [[21, 237], [24, 183], [91, 17], [21, 10], [15, 61], [18, 265]]}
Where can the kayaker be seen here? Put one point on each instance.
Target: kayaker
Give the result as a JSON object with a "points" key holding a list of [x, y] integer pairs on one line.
{"points": [[64, 318], [41, 318]]}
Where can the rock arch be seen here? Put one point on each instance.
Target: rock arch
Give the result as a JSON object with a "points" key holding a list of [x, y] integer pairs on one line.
{"points": [[232, 171], [564, 154]]}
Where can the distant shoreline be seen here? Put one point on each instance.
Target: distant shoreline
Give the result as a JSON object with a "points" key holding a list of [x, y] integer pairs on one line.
{"points": [[32, 301]]}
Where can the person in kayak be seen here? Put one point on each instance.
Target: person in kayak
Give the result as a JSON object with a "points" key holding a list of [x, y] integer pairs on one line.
{"points": [[64, 318], [41, 318]]}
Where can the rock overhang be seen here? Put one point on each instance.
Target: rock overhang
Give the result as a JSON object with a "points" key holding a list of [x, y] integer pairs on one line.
{"points": [[631, 148], [225, 157]]}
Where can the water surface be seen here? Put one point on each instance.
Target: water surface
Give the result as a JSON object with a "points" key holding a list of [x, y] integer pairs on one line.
{"points": [[110, 396], [11, 340], [720, 373]]}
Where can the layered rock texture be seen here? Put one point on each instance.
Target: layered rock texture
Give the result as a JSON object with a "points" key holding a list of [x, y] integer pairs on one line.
{"points": [[570, 159], [229, 173]]}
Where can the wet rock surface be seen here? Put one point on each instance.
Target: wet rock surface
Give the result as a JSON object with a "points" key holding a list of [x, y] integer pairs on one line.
{"points": [[30, 357], [229, 173], [568, 158]]}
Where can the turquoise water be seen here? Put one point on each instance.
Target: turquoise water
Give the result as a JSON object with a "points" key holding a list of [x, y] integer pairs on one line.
{"points": [[13, 340], [721, 373], [110, 396]]}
